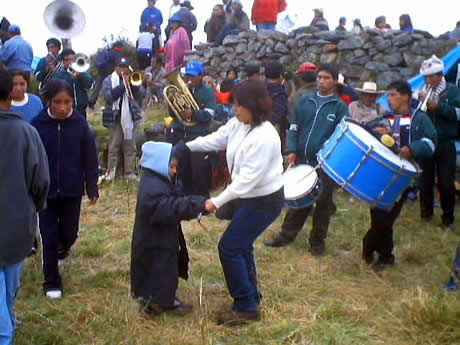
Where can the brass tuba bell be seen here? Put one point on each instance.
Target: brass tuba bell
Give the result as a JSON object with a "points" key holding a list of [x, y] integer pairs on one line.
{"points": [[179, 97], [64, 18], [81, 64]]}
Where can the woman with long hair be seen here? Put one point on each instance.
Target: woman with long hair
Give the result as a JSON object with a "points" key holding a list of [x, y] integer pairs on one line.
{"points": [[27, 104]]}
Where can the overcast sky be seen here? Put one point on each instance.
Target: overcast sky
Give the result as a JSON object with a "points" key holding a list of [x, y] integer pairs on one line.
{"points": [[105, 17]]}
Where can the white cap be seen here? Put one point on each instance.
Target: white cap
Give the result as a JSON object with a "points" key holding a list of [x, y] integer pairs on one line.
{"points": [[432, 66]]}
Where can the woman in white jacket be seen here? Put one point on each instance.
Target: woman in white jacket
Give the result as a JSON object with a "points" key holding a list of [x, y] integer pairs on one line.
{"points": [[256, 192]]}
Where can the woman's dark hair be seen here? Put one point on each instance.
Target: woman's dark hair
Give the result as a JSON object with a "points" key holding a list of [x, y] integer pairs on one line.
{"points": [[220, 6], [53, 87], [402, 86], [6, 85], [380, 20], [232, 70], [253, 95], [407, 21], [227, 85], [15, 72], [54, 41]]}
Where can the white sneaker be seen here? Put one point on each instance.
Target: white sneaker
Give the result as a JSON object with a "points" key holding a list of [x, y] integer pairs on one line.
{"points": [[110, 176], [54, 294]]}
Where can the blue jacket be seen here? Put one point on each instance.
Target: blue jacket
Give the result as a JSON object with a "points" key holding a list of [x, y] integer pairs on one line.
{"points": [[152, 15], [72, 155], [17, 53]]}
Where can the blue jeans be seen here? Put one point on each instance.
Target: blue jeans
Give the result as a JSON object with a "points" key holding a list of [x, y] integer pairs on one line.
{"points": [[266, 26], [236, 254], [9, 285]]}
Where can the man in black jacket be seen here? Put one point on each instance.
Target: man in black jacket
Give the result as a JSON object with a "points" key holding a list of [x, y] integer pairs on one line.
{"points": [[24, 183]]}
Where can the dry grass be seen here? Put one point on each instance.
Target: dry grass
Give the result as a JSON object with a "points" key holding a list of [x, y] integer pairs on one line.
{"points": [[332, 300]]}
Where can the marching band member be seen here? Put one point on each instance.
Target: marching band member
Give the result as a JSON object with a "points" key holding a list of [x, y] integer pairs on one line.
{"points": [[79, 82], [122, 114], [47, 65], [443, 107], [73, 167], [196, 173], [254, 159], [156, 261], [415, 134], [315, 119]]}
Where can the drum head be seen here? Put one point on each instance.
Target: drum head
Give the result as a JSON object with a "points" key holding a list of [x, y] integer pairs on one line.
{"points": [[379, 148], [299, 181]]}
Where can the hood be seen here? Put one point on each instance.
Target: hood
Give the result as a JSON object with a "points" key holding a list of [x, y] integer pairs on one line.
{"points": [[156, 157]]}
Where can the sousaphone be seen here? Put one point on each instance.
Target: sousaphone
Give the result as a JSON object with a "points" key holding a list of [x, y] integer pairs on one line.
{"points": [[64, 18]]}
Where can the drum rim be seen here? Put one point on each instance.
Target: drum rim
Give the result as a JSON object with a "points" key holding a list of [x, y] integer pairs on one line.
{"points": [[317, 182], [374, 154]]}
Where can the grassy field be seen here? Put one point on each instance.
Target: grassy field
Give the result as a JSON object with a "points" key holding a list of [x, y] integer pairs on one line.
{"points": [[335, 299]]}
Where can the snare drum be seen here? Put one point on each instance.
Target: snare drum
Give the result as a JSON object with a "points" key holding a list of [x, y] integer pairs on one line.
{"points": [[363, 166], [301, 186]]}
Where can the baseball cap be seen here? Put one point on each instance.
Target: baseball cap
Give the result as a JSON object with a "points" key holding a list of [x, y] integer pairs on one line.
{"points": [[123, 62], [194, 68], [14, 29]]}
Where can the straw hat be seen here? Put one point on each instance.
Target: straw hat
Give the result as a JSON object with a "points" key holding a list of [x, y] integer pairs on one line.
{"points": [[369, 87]]}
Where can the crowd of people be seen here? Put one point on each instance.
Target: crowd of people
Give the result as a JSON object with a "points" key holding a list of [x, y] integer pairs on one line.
{"points": [[260, 120]]}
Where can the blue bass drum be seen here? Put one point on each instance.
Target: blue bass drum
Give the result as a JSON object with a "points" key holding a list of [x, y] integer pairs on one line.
{"points": [[301, 186], [363, 166]]}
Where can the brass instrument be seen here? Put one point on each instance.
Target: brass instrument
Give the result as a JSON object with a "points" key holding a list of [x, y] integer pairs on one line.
{"points": [[137, 78], [64, 18], [58, 64], [179, 97], [81, 63]]}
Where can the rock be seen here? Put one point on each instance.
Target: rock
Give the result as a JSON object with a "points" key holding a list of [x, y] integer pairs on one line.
{"points": [[281, 48], [263, 35], [217, 51], [388, 34], [361, 60], [305, 30], [372, 52], [413, 61], [351, 71], [277, 36], [330, 36], [394, 59], [290, 43], [302, 36], [244, 34], [215, 62], [386, 78], [376, 66], [261, 53], [285, 60], [382, 44], [352, 42], [254, 46], [406, 73], [365, 75], [425, 34], [241, 48], [328, 57], [359, 52], [329, 48], [231, 40], [229, 50], [319, 42], [269, 43], [402, 40]]}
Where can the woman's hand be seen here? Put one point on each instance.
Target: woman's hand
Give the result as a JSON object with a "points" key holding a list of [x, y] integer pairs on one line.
{"points": [[291, 158], [209, 206], [406, 152]]}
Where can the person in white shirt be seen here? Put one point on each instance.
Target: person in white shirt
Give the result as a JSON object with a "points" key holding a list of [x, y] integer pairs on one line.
{"points": [[174, 8], [254, 198]]}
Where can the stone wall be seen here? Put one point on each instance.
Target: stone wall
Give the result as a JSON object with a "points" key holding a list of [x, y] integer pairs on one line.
{"points": [[382, 57]]}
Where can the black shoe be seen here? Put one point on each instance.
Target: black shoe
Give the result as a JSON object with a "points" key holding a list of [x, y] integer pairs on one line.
{"points": [[368, 257], [277, 241], [383, 263], [236, 318], [180, 306], [317, 249]]}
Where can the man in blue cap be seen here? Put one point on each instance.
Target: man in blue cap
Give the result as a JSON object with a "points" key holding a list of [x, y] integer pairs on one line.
{"points": [[16, 53], [196, 175]]}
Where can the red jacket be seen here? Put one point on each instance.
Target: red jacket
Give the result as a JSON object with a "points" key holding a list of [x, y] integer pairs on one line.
{"points": [[267, 10]]}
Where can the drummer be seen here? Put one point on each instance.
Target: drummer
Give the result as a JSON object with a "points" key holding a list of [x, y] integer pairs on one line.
{"points": [[366, 108], [415, 134], [315, 119]]}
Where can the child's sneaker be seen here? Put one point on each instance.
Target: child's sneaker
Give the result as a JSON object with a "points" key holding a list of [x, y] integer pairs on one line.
{"points": [[53, 294], [453, 284]]}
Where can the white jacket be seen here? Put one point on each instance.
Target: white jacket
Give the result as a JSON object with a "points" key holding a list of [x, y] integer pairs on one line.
{"points": [[253, 157]]}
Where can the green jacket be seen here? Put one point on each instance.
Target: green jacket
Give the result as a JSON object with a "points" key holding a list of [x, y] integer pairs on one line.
{"points": [[423, 136], [206, 99], [80, 86], [313, 125], [446, 117]]}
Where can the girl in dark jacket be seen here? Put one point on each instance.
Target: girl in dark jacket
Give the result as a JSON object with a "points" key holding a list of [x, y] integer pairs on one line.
{"points": [[159, 253], [73, 166]]}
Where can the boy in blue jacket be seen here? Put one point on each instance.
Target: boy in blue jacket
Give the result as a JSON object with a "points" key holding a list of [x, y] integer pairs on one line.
{"points": [[159, 253]]}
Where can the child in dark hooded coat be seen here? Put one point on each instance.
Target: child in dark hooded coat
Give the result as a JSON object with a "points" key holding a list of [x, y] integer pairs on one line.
{"points": [[159, 253]]}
